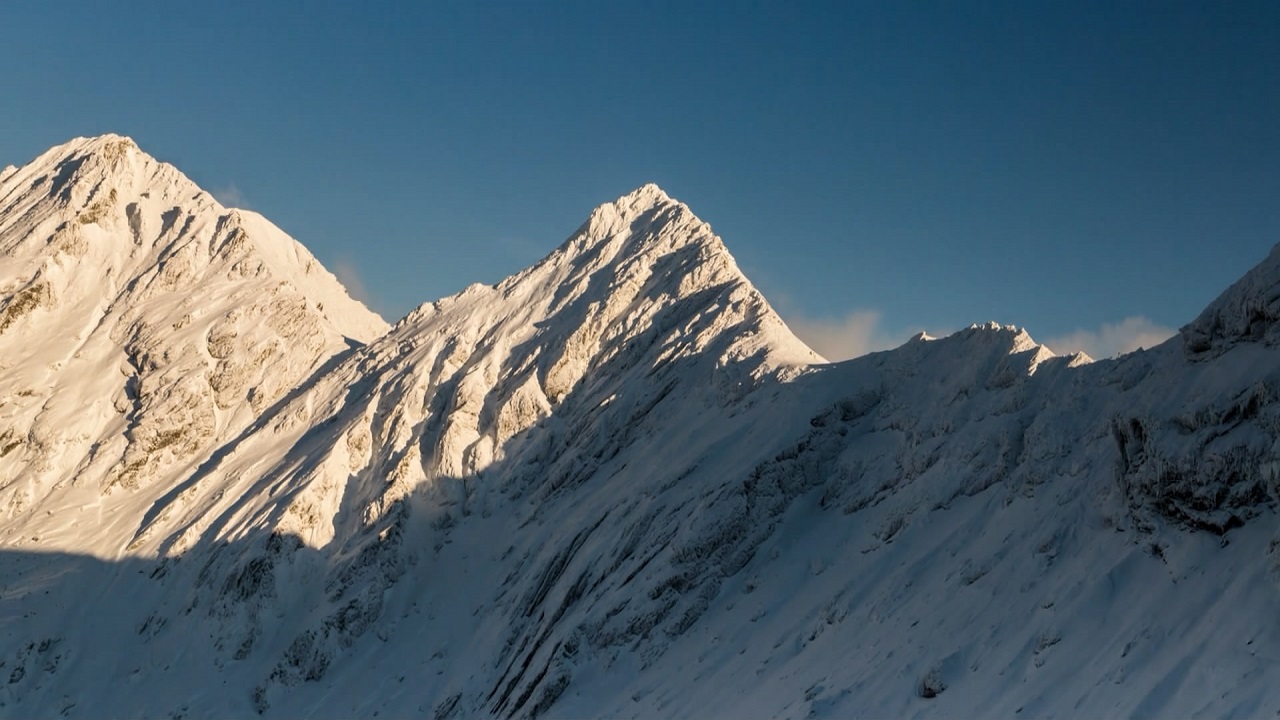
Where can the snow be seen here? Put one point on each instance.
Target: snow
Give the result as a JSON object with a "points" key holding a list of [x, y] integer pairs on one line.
{"points": [[613, 484]]}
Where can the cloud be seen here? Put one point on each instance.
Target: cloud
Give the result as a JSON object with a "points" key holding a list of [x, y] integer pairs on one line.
{"points": [[857, 333], [520, 249], [861, 331], [349, 275], [1113, 338], [230, 196]]}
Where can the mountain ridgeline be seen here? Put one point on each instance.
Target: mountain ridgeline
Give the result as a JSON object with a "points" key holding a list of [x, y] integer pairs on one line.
{"points": [[613, 484]]}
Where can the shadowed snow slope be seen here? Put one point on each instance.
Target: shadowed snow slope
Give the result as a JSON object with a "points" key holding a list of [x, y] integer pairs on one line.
{"points": [[613, 484]]}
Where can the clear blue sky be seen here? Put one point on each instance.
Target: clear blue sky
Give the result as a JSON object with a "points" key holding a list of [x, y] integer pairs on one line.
{"points": [[1058, 166]]}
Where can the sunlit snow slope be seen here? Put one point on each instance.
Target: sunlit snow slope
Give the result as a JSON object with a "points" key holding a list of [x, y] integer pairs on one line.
{"points": [[613, 484], [141, 325]]}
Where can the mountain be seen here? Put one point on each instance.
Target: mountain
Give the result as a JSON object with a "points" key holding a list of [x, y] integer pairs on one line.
{"points": [[612, 484], [142, 325]]}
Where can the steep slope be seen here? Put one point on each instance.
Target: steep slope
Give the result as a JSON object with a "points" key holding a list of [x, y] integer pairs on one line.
{"points": [[616, 485], [141, 324], [972, 538]]}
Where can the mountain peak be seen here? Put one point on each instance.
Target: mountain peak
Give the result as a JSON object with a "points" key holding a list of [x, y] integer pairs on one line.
{"points": [[651, 248], [100, 143], [116, 260], [91, 144], [96, 178], [103, 151], [646, 202], [649, 193]]}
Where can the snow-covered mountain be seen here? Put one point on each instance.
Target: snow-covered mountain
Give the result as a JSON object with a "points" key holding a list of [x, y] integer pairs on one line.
{"points": [[612, 484], [142, 325]]}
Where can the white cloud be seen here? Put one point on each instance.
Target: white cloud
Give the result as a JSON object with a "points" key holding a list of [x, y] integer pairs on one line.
{"points": [[1113, 338], [855, 334], [349, 275], [230, 196]]}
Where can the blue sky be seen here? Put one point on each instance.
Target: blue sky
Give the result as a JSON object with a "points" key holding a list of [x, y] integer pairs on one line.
{"points": [[1096, 170]]}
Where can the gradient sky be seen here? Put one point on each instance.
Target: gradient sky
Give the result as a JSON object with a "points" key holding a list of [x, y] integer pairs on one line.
{"points": [[1097, 169]]}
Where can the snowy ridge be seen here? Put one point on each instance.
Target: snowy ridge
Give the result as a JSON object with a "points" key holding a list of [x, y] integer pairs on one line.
{"points": [[614, 484], [453, 383], [1247, 312]]}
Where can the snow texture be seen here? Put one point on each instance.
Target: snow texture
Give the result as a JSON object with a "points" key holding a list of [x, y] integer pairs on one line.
{"points": [[613, 484]]}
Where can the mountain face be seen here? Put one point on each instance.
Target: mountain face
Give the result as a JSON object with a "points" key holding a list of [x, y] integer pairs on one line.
{"points": [[613, 484]]}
